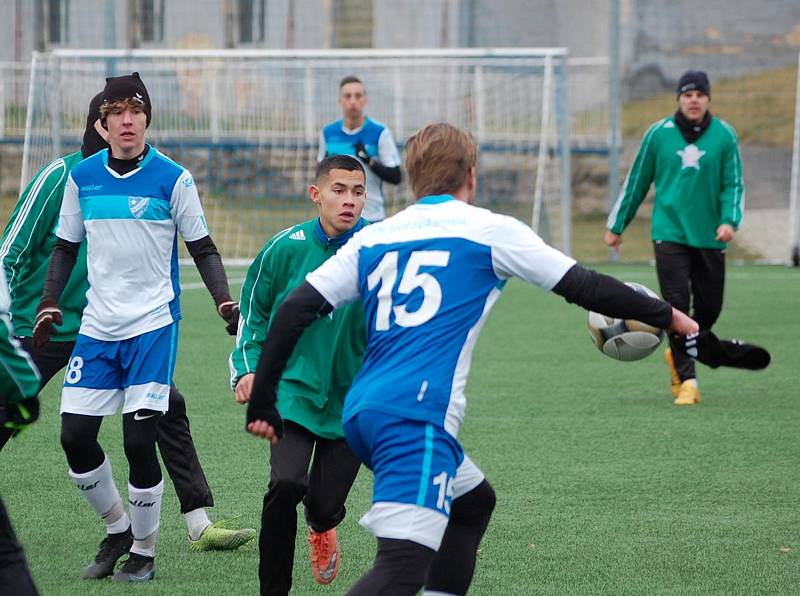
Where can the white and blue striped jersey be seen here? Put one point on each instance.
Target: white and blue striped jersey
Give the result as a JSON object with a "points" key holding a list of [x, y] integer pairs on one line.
{"points": [[130, 223], [378, 142], [428, 277]]}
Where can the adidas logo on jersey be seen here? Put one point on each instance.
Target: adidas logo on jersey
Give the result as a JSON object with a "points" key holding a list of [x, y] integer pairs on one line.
{"points": [[298, 235]]}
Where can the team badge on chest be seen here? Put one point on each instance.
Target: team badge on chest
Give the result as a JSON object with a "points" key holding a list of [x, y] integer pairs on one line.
{"points": [[138, 205]]}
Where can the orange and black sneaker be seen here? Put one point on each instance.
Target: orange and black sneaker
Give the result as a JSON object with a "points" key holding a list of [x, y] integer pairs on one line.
{"points": [[674, 379], [325, 555]]}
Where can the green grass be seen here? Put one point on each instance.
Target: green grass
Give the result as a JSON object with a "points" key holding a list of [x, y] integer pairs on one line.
{"points": [[604, 487]]}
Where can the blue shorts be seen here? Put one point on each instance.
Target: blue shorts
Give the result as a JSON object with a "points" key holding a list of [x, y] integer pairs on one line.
{"points": [[414, 464], [132, 374]]}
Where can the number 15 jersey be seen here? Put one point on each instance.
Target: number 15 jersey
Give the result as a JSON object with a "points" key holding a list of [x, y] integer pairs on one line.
{"points": [[428, 278]]}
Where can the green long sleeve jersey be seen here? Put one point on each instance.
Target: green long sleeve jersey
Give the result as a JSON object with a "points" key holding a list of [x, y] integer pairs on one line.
{"points": [[25, 250], [329, 354], [698, 186], [19, 379]]}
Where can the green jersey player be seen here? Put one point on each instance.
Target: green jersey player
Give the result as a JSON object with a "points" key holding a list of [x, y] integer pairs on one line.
{"points": [[19, 384], [692, 160], [312, 389]]}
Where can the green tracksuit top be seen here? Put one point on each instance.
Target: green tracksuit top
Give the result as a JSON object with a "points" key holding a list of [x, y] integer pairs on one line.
{"points": [[19, 379], [698, 186], [25, 250], [329, 354]]}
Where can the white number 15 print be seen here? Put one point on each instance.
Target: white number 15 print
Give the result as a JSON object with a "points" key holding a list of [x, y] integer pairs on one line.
{"points": [[385, 274]]}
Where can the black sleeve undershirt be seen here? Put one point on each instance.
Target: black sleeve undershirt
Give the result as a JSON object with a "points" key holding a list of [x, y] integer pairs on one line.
{"points": [[62, 262], [301, 308], [212, 271], [608, 296], [389, 174]]}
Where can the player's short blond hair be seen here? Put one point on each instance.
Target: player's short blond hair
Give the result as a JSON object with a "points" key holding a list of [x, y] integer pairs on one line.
{"points": [[438, 159]]}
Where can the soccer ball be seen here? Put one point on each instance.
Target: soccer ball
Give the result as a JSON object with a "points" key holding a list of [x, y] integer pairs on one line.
{"points": [[623, 339]]}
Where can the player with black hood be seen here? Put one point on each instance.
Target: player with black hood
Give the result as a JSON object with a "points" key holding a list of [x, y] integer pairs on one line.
{"points": [[25, 250]]}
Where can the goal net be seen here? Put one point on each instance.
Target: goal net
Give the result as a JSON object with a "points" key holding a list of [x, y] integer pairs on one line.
{"points": [[247, 124]]}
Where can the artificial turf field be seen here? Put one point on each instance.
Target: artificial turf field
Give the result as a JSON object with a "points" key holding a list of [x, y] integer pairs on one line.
{"points": [[604, 487]]}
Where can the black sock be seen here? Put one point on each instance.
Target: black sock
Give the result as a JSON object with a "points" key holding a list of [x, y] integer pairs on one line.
{"points": [[399, 569], [454, 564]]}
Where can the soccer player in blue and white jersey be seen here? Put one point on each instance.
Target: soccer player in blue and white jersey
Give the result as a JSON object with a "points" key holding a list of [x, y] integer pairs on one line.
{"points": [[25, 249], [128, 202], [428, 277], [368, 140]]}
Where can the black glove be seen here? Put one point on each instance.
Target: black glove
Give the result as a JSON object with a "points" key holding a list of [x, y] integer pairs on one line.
{"points": [[361, 152], [18, 415], [266, 411], [48, 315], [228, 309], [707, 348]]}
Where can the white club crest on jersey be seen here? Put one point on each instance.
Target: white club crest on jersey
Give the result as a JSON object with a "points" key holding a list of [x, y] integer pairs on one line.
{"points": [[137, 205], [690, 156], [298, 235]]}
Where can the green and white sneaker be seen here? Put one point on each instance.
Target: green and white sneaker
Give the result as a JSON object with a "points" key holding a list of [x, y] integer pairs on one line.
{"points": [[218, 537]]}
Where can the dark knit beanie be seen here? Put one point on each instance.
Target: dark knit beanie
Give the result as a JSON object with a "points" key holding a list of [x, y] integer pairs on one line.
{"points": [[128, 87], [694, 80], [92, 141]]}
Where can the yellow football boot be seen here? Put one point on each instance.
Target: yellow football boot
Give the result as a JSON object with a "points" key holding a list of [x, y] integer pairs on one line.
{"points": [[689, 393], [674, 379]]}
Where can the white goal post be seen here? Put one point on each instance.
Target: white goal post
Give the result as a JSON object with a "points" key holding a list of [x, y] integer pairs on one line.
{"points": [[794, 187], [247, 123]]}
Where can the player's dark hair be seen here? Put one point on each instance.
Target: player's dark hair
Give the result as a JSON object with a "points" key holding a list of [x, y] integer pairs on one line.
{"points": [[349, 79], [338, 162]]}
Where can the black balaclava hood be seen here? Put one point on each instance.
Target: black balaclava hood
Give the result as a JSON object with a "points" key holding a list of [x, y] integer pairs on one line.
{"points": [[92, 141], [128, 87]]}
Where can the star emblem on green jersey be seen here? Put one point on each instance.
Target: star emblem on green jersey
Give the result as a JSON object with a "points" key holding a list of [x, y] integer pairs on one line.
{"points": [[690, 156]]}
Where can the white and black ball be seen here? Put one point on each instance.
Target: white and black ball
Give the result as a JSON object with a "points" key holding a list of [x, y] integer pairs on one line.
{"points": [[625, 339]]}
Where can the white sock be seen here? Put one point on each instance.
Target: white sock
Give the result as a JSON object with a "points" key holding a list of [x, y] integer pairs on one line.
{"points": [[145, 507], [98, 488], [117, 521], [196, 521]]}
